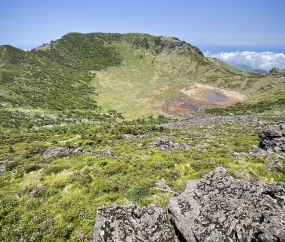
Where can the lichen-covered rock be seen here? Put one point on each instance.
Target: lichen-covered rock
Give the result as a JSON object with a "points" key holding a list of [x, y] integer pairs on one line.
{"points": [[166, 145], [272, 140], [106, 152], [130, 223], [54, 151], [3, 165], [271, 164], [220, 208], [163, 186], [276, 73]]}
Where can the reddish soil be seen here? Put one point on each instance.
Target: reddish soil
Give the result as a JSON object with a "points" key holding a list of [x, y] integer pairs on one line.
{"points": [[195, 95]]}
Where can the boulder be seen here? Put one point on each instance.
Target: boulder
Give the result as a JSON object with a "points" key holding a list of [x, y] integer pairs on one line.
{"points": [[262, 123], [106, 152], [163, 186], [276, 73], [3, 164], [54, 151], [258, 152], [272, 140], [132, 223], [49, 126], [36, 127], [272, 164], [166, 145], [220, 208]]}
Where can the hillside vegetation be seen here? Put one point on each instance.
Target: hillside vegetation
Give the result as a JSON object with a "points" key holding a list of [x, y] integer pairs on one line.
{"points": [[230, 68], [90, 94]]}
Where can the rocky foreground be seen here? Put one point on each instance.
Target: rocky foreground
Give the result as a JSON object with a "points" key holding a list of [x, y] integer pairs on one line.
{"points": [[214, 208]]}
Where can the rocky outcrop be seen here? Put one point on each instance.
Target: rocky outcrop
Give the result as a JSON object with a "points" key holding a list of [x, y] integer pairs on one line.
{"points": [[220, 208], [199, 118], [131, 223], [163, 186], [214, 208], [106, 152], [166, 145], [54, 151], [161, 43], [272, 140], [3, 164], [271, 164], [276, 73], [175, 42], [57, 150]]}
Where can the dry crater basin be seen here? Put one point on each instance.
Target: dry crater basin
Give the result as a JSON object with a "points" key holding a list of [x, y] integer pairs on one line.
{"points": [[200, 96]]}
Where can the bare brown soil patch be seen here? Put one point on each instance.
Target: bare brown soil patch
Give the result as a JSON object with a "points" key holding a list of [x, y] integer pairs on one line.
{"points": [[195, 95], [160, 91]]}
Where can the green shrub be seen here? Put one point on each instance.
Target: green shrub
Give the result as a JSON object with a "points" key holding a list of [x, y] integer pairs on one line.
{"points": [[31, 167], [141, 190], [11, 166], [55, 169]]}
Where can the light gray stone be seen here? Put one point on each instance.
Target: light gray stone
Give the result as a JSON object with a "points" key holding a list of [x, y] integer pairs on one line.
{"points": [[166, 145], [220, 208], [106, 152], [131, 223], [272, 164], [54, 151]]}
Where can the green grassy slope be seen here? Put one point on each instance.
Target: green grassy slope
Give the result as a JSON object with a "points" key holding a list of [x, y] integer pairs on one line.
{"points": [[230, 68]]}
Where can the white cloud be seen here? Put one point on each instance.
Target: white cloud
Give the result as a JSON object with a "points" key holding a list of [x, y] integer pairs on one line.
{"points": [[27, 49], [257, 60]]}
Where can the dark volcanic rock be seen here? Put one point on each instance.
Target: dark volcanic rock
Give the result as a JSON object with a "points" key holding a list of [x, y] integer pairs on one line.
{"points": [[272, 140], [54, 151], [132, 224], [220, 208]]}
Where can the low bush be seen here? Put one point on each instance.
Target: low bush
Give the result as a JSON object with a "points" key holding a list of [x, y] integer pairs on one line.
{"points": [[54, 169], [141, 190]]}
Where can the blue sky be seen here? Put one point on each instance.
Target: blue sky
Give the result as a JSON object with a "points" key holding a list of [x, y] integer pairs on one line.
{"points": [[204, 23]]}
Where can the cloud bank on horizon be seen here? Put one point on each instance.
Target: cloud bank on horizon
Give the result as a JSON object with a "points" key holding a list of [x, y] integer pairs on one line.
{"points": [[257, 60]]}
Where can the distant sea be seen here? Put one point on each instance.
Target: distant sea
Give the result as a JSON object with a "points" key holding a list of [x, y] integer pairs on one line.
{"points": [[215, 49]]}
